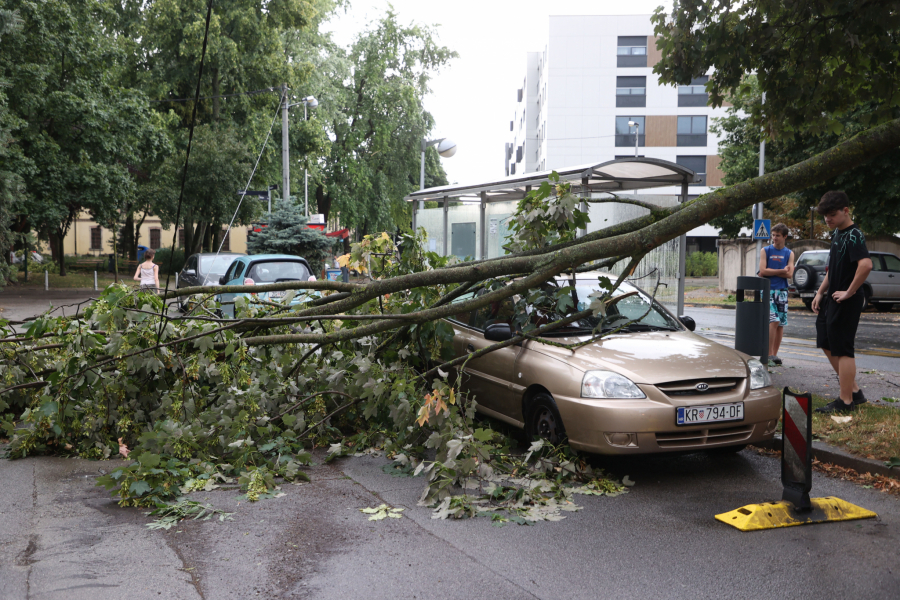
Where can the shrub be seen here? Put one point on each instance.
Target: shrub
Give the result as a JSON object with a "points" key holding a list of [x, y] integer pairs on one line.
{"points": [[702, 264], [162, 259]]}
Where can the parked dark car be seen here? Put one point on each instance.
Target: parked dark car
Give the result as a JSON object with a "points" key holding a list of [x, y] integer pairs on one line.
{"points": [[881, 288], [205, 268]]}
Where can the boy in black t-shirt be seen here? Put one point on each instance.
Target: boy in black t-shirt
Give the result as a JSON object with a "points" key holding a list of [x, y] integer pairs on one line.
{"points": [[839, 300]]}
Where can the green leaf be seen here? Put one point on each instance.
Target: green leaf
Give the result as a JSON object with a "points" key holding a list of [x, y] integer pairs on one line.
{"points": [[894, 461], [149, 460], [139, 488]]}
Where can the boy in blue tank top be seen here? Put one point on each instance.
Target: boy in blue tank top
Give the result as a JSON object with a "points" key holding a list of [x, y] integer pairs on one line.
{"points": [[777, 264]]}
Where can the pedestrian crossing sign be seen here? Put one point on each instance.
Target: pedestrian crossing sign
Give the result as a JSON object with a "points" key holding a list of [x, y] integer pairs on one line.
{"points": [[762, 229]]}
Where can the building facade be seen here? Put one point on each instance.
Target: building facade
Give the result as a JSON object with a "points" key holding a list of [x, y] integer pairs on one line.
{"points": [[592, 92], [88, 238]]}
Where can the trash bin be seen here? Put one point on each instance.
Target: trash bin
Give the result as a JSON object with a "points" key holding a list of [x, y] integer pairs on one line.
{"points": [[140, 253], [333, 274], [751, 326], [111, 265]]}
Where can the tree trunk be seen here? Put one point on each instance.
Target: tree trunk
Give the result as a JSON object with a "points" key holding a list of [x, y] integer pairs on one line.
{"points": [[216, 238], [188, 228], [56, 249], [199, 234], [129, 239], [215, 91], [323, 202]]}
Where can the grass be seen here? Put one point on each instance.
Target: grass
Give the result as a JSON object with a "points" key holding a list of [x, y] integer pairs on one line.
{"points": [[73, 279], [873, 431]]}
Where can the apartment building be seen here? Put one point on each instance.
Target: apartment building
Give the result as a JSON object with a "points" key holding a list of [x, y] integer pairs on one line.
{"points": [[593, 78]]}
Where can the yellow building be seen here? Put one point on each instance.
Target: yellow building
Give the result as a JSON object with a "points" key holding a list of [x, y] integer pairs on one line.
{"points": [[87, 238]]}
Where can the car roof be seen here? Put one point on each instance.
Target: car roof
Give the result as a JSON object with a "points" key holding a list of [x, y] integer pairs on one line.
{"points": [[275, 257], [219, 254]]}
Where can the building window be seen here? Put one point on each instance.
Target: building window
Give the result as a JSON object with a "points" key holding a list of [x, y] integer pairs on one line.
{"points": [[96, 238], [694, 94], [697, 164], [691, 131], [631, 91], [226, 240], [625, 134], [519, 153], [155, 238], [631, 51]]}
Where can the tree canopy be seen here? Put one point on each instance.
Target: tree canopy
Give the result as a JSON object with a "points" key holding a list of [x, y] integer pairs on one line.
{"points": [[815, 60]]}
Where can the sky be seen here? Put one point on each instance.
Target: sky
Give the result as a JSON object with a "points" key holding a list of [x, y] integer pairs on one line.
{"points": [[473, 99]]}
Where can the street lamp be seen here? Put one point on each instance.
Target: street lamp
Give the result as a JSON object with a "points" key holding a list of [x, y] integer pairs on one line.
{"points": [[445, 147], [637, 127], [310, 102]]}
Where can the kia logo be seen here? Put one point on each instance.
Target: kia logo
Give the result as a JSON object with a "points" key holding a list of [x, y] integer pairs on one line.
{"points": [[702, 387]]}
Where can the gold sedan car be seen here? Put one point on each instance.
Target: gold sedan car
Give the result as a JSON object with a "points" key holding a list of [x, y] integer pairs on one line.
{"points": [[653, 386]]}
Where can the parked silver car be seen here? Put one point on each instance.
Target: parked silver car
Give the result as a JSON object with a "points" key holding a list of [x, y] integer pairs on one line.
{"points": [[881, 288]]}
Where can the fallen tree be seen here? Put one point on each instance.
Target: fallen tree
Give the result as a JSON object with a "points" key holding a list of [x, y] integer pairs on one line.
{"points": [[199, 399]]}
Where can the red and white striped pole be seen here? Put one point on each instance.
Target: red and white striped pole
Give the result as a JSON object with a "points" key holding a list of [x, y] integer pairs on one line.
{"points": [[796, 453]]}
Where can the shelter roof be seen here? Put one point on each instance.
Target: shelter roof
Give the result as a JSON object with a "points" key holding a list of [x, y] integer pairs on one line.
{"points": [[618, 175]]}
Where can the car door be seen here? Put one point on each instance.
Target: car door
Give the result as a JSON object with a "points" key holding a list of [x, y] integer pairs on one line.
{"points": [[892, 268], [230, 279], [188, 276], [489, 378], [878, 279]]}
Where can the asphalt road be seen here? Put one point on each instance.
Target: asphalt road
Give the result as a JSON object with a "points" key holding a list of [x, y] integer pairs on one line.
{"points": [[62, 537]]}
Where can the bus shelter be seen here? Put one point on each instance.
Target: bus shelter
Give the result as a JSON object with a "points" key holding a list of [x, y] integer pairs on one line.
{"points": [[471, 220]]}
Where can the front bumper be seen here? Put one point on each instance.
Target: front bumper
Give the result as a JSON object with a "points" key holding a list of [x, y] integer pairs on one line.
{"points": [[591, 424]]}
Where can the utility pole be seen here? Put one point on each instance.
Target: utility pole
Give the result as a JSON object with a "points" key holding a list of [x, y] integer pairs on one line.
{"points": [[758, 209], [285, 150]]}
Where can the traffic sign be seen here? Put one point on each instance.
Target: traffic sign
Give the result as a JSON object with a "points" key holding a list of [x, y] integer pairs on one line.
{"points": [[762, 229]]}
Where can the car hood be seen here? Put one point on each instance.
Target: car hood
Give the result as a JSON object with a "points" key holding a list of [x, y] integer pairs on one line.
{"points": [[651, 357]]}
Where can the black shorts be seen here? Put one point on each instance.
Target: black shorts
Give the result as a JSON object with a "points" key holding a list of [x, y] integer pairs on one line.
{"points": [[836, 325]]}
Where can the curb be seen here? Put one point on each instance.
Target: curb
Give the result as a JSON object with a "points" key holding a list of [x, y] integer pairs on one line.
{"points": [[825, 453]]}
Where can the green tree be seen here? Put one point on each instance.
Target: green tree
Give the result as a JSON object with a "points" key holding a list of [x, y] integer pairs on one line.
{"points": [[874, 188], [80, 130], [286, 232], [371, 106], [817, 61], [219, 166]]}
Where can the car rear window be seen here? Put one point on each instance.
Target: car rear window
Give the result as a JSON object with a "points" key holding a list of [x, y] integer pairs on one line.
{"points": [[278, 270], [814, 259], [215, 265]]}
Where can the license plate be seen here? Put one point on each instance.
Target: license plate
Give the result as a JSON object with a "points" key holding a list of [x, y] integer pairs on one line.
{"points": [[808, 295], [690, 415], [276, 294]]}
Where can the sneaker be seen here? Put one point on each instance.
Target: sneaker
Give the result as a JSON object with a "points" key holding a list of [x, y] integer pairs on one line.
{"points": [[775, 360], [837, 406], [859, 398], [771, 362]]}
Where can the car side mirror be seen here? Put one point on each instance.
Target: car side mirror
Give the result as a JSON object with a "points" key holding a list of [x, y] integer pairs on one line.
{"points": [[222, 280], [498, 332], [688, 322], [190, 272]]}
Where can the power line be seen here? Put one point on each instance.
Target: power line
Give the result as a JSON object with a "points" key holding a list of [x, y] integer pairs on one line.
{"points": [[251, 93]]}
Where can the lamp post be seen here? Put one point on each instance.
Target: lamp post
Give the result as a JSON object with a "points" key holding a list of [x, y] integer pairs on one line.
{"points": [[445, 147], [637, 127], [310, 102]]}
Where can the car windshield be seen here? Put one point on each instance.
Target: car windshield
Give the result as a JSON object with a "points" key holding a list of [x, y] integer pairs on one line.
{"points": [[215, 265], [814, 259], [277, 270], [646, 313]]}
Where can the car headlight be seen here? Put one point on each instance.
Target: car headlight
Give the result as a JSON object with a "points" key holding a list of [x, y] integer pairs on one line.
{"points": [[759, 375], [606, 384]]}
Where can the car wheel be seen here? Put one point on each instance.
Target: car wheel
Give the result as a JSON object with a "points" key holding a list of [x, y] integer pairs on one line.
{"points": [[725, 450], [884, 307], [544, 420], [865, 301], [804, 277], [808, 304]]}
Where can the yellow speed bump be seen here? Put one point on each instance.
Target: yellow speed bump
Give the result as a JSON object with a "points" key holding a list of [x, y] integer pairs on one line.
{"points": [[770, 515]]}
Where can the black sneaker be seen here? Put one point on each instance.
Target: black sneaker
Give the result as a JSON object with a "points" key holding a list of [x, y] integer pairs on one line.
{"points": [[859, 398], [837, 406], [775, 360]]}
